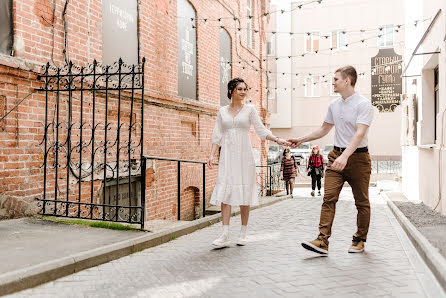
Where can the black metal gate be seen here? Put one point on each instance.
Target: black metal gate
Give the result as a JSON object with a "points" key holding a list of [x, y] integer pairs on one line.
{"points": [[93, 163]]}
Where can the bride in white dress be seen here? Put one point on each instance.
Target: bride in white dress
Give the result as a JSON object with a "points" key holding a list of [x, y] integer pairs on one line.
{"points": [[236, 180]]}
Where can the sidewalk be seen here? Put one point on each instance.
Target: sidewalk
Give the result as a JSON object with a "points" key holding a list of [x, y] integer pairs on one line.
{"points": [[302, 180], [273, 264], [34, 250]]}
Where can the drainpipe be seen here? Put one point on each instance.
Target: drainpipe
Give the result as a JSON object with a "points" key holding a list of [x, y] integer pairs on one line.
{"points": [[440, 159]]}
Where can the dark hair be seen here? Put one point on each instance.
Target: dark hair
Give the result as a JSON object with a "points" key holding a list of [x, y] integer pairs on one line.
{"points": [[348, 71], [232, 84], [286, 150]]}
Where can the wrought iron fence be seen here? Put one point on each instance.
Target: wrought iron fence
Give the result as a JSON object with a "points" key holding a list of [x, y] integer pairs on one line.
{"points": [[268, 182], [178, 166], [93, 163], [386, 167]]}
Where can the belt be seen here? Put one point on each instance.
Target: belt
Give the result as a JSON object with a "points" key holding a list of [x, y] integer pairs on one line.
{"points": [[362, 149]]}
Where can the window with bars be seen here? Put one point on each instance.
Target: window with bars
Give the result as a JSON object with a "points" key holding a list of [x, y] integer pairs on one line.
{"points": [[385, 36], [338, 40], [311, 42]]}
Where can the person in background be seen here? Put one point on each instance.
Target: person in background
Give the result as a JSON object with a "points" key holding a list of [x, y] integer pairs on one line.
{"points": [[316, 169], [288, 170]]}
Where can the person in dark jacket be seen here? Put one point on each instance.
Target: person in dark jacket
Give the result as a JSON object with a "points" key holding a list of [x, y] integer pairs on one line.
{"points": [[315, 169], [288, 170]]}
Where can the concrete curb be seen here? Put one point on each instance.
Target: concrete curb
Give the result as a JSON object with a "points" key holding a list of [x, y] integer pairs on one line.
{"points": [[434, 260], [38, 274]]}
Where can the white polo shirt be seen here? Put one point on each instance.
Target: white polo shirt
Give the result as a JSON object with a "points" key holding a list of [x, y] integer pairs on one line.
{"points": [[345, 114]]}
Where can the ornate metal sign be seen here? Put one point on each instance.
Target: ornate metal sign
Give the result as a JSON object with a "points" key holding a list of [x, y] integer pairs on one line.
{"points": [[386, 80], [225, 66], [119, 31], [187, 50]]}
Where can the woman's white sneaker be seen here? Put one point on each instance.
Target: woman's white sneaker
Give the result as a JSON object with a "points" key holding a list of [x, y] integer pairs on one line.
{"points": [[241, 241], [222, 241]]}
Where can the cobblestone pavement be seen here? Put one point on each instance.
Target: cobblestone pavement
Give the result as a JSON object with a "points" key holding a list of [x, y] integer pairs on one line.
{"points": [[273, 264]]}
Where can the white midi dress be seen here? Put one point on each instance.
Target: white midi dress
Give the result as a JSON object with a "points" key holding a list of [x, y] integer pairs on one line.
{"points": [[236, 179]]}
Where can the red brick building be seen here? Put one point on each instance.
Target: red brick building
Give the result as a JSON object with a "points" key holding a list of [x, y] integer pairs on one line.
{"points": [[184, 72]]}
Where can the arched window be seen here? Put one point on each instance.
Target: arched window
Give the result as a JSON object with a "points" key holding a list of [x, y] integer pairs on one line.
{"points": [[187, 49], [225, 66]]}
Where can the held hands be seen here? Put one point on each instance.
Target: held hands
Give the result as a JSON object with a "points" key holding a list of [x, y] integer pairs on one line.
{"points": [[294, 142], [283, 142]]}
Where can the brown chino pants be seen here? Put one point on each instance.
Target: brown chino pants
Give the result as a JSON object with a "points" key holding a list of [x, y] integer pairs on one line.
{"points": [[357, 174]]}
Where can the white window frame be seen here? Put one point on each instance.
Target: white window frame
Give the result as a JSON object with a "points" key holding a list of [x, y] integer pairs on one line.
{"points": [[316, 86], [381, 42], [271, 45], [338, 40], [249, 23], [313, 36], [271, 91], [311, 89], [307, 83]]}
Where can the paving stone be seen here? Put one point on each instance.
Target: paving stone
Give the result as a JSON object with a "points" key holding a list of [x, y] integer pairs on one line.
{"points": [[273, 264]]}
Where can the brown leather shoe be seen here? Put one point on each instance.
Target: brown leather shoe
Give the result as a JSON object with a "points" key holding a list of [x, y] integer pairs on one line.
{"points": [[357, 246], [317, 246]]}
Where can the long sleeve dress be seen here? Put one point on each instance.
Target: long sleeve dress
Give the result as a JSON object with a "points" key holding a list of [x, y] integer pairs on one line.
{"points": [[236, 179]]}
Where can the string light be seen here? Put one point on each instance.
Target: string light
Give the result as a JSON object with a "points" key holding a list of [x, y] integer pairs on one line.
{"points": [[380, 29], [266, 14]]}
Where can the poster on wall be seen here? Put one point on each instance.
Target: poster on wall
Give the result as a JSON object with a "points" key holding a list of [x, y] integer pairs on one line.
{"points": [[386, 80], [187, 50], [225, 66], [119, 31]]}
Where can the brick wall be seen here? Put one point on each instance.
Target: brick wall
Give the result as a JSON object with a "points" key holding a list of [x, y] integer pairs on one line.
{"points": [[175, 127]]}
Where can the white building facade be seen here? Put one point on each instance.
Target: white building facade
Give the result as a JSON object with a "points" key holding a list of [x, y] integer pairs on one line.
{"points": [[320, 39], [424, 105]]}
